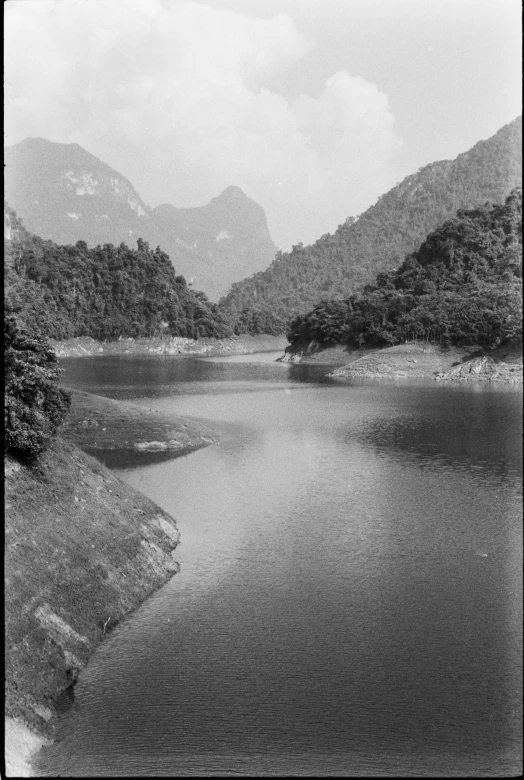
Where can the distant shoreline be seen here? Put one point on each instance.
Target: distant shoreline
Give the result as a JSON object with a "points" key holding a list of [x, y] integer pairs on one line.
{"points": [[416, 360], [173, 345]]}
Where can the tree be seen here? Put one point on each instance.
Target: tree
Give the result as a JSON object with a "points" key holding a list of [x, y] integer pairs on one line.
{"points": [[34, 406], [462, 286]]}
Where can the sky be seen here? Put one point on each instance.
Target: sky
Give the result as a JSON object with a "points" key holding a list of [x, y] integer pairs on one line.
{"points": [[313, 107]]}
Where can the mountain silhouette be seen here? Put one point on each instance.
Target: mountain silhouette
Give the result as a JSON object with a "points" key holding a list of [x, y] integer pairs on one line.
{"points": [[64, 193]]}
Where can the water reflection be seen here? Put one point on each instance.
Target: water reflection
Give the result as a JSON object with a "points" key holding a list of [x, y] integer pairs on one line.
{"points": [[453, 430], [349, 590], [153, 376]]}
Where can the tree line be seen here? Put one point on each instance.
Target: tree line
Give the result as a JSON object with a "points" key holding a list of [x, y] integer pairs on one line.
{"points": [[463, 286], [105, 292], [341, 263]]}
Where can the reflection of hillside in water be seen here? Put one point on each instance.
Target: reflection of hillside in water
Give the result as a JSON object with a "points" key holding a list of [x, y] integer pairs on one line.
{"points": [[155, 376], [446, 430]]}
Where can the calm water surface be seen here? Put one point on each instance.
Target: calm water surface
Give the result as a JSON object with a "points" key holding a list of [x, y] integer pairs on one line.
{"points": [[350, 594]]}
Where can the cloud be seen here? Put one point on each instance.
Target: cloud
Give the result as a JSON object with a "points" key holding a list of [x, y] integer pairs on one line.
{"points": [[175, 97]]}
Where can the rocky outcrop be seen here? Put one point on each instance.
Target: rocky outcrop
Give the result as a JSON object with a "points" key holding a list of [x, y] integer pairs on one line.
{"points": [[415, 360], [374, 368], [484, 369], [315, 352], [418, 360]]}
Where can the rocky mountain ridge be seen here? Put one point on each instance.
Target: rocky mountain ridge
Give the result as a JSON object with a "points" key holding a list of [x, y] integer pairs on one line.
{"points": [[64, 193]]}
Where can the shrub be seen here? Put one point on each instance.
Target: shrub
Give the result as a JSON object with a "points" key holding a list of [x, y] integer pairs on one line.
{"points": [[34, 406]]}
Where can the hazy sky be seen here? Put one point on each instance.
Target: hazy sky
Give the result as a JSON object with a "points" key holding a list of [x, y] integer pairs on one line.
{"points": [[313, 107]]}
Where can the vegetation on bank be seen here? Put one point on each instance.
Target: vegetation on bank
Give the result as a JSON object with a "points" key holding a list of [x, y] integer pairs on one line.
{"points": [[463, 286], [106, 292], [34, 406], [82, 548], [339, 264], [257, 321], [112, 292]]}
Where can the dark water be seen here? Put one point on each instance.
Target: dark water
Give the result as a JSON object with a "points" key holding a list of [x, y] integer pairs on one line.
{"points": [[350, 594]]}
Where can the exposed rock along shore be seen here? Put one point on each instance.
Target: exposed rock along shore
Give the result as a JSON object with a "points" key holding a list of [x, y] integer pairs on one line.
{"points": [[416, 360], [175, 345], [83, 549], [314, 352], [484, 369]]}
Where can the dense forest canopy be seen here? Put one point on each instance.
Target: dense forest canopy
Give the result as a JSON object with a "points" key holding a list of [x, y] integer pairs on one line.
{"points": [[341, 263], [463, 286], [34, 405], [106, 292]]}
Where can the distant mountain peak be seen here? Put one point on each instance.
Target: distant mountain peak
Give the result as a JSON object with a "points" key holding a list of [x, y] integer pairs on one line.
{"points": [[65, 193], [339, 264], [34, 140], [42, 145], [233, 192]]}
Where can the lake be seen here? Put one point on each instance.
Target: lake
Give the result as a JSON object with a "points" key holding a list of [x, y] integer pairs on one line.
{"points": [[350, 595]]}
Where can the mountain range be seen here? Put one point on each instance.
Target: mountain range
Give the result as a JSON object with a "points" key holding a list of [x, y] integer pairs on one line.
{"points": [[339, 264], [63, 193]]}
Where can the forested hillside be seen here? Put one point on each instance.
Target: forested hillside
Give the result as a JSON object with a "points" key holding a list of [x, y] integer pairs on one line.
{"points": [[463, 286], [105, 292], [341, 263], [65, 194]]}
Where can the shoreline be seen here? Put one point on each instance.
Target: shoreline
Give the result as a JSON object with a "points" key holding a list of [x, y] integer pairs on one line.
{"points": [[122, 434], [83, 551], [416, 360], [175, 345]]}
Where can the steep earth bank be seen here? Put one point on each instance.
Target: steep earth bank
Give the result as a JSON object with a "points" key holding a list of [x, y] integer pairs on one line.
{"points": [[176, 345], [82, 549], [417, 360]]}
